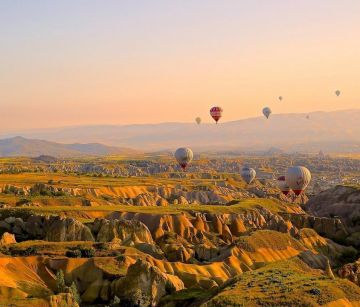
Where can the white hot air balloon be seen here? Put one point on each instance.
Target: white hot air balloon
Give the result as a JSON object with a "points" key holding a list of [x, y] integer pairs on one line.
{"points": [[184, 156], [267, 112], [298, 178], [280, 98], [198, 120], [248, 174], [283, 186], [337, 93]]}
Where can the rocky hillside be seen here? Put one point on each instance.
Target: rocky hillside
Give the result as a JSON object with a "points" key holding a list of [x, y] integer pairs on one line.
{"points": [[160, 241], [290, 283], [150, 257], [20, 146], [221, 193], [342, 202]]}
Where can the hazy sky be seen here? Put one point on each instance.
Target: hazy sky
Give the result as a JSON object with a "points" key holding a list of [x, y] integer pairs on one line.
{"points": [[74, 62]]}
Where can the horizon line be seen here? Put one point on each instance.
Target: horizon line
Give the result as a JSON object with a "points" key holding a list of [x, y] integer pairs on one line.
{"points": [[14, 132]]}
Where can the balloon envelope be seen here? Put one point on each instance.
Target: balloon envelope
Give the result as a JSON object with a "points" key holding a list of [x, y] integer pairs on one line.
{"points": [[216, 113], [184, 156], [337, 93], [298, 178], [267, 112], [198, 120], [280, 98], [248, 174], [283, 186]]}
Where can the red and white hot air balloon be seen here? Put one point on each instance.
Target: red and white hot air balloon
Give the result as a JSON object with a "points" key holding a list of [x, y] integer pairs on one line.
{"points": [[216, 113], [298, 178], [184, 156], [283, 186]]}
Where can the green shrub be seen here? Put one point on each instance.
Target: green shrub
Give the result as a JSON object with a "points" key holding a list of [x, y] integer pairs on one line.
{"points": [[75, 293], [22, 201], [87, 252], [315, 291], [73, 253], [121, 258], [59, 193], [45, 193], [349, 255], [30, 251], [60, 282]]}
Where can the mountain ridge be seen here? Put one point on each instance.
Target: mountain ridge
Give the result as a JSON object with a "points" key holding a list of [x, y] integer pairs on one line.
{"points": [[335, 131], [20, 146]]}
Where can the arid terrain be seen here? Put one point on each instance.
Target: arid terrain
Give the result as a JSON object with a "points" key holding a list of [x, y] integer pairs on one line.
{"points": [[116, 231], [179, 153]]}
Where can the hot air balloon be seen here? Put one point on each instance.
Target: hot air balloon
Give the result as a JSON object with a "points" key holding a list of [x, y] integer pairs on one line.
{"points": [[248, 174], [298, 178], [198, 120], [337, 93], [307, 116], [283, 186], [267, 112], [280, 98], [184, 156], [216, 113]]}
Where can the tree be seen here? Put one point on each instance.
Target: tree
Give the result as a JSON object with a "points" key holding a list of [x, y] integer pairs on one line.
{"points": [[60, 282], [75, 293]]}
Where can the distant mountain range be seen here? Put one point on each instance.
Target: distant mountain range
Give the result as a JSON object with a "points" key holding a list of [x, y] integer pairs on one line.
{"points": [[337, 131], [20, 146]]}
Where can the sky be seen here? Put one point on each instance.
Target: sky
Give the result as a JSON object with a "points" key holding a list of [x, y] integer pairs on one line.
{"points": [[89, 62]]}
